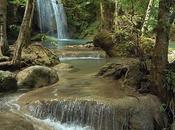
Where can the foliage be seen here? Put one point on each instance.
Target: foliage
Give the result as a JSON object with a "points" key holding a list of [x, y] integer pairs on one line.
{"points": [[17, 2], [81, 15], [139, 7], [169, 81], [169, 85]]}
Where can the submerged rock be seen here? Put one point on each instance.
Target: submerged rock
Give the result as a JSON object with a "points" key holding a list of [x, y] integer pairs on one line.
{"points": [[63, 67], [36, 76], [11, 121], [7, 81]]}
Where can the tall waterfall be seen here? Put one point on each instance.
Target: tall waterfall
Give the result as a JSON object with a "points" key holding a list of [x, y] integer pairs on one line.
{"points": [[52, 18]]}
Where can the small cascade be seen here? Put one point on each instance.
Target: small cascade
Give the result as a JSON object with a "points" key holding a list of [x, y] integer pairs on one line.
{"points": [[52, 18], [98, 116], [129, 113]]}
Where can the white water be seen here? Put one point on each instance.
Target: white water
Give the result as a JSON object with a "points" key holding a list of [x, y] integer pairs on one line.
{"points": [[59, 126], [53, 125], [80, 58], [52, 18]]}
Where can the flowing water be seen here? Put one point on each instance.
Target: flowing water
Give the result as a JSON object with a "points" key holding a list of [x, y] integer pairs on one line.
{"points": [[81, 101], [78, 102], [52, 18]]}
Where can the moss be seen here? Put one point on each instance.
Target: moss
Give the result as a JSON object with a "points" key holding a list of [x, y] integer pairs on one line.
{"points": [[147, 45], [118, 44]]}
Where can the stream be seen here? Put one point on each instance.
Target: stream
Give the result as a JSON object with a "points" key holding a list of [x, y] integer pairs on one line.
{"points": [[79, 83], [80, 100]]}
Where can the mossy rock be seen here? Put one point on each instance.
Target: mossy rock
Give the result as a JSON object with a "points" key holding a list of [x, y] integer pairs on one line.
{"points": [[36, 54], [115, 45], [7, 81], [129, 73], [36, 76]]}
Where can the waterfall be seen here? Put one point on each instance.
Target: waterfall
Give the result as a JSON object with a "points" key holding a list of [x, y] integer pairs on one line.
{"points": [[83, 113], [52, 18], [122, 114]]}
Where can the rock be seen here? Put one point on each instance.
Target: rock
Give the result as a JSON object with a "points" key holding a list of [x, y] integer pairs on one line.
{"points": [[7, 81], [36, 76], [131, 73], [36, 54], [114, 45], [104, 40], [63, 67], [11, 121]]}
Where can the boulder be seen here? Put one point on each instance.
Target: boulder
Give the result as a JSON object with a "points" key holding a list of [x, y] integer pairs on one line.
{"points": [[131, 73], [104, 40], [36, 76], [36, 54], [7, 81], [11, 121]]}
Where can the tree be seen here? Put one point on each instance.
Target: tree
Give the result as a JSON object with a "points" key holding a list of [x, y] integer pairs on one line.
{"points": [[25, 31], [107, 12], [147, 16], [160, 54], [3, 35]]}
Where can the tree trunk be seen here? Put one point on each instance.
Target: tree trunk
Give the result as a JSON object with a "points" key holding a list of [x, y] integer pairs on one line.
{"points": [[107, 10], [160, 54], [3, 36], [147, 16], [25, 31]]}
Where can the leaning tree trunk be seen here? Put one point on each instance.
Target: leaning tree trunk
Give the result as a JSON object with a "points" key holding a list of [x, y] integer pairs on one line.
{"points": [[147, 16], [3, 35], [160, 54], [25, 31]]}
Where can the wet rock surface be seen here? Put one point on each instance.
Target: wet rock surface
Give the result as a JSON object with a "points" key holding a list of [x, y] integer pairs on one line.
{"points": [[36, 76], [11, 121], [7, 81], [129, 113]]}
